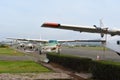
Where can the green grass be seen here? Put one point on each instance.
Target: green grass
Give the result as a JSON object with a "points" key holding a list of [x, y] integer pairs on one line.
{"points": [[95, 48], [91, 48], [21, 67], [10, 52]]}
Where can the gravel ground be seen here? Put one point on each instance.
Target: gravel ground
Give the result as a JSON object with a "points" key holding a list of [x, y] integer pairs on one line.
{"points": [[33, 76]]}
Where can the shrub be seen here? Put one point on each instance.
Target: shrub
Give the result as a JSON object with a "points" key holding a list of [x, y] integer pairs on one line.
{"points": [[101, 70], [104, 70], [3, 46], [75, 63]]}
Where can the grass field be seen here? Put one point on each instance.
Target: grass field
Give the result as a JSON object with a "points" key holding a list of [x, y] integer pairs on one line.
{"points": [[10, 52], [21, 67], [92, 48], [95, 48]]}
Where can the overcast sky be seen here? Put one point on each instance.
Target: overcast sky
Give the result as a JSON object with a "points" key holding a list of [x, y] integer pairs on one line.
{"points": [[23, 18]]}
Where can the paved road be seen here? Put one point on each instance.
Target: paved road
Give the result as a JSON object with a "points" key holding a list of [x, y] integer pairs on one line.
{"points": [[78, 51], [17, 58], [91, 53]]}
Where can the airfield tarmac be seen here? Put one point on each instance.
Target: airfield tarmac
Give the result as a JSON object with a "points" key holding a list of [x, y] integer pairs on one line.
{"points": [[91, 53]]}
